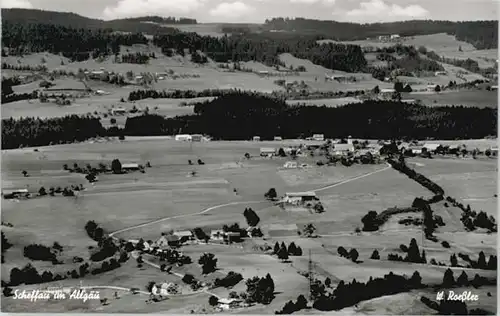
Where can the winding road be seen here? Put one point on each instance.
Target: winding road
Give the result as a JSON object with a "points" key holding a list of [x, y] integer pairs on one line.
{"points": [[238, 203]]}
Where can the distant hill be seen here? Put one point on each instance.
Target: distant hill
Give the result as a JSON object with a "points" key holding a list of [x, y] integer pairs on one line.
{"points": [[67, 19], [481, 34]]}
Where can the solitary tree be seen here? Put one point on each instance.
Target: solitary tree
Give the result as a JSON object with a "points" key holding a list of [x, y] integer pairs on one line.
{"points": [[116, 166], [271, 194], [353, 254], [213, 300], [208, 263]]}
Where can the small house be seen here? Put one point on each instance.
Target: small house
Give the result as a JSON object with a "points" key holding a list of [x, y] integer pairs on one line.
{"points": [[183, 138], [130, 167], [278, 138], [299, 197], [184, 235], [416, 150], [161, 243], [165, 289], [228, 303], [173, 240], [267, 152], [440, 73], [387, 91], [196, 138], [232, 236], [217, 234], [494, 88], [395, 36], [118, 111], [13, 194], [290, 165], [256, 138], [319, 137], [431, 147], [263, 72], [431, 87]]}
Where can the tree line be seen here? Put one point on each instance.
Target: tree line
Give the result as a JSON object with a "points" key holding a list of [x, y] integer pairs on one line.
{"points": [[481, 34], [240, 116], [78, 44], [265, 49]]}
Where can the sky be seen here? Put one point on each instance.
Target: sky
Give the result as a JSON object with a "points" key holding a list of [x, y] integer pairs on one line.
{"points": [[256, 11]]}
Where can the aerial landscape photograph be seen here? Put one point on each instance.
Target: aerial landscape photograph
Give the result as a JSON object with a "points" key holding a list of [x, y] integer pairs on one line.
{"points": [[249, 157]]}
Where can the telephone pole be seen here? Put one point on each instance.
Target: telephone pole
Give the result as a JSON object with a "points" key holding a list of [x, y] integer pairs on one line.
{"points": [[310, 275]]}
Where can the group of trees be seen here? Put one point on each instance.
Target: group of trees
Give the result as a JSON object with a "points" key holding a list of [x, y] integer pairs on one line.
{"points": [[41, 252], [290, 307], [480, 263], [29, 274], [230, 280], [260, 290], [283, 252], [463, 280], [352, 293], [172, 256], [106, 246], [137, 58], [472, 219], [351, 255], [421, 179], [372, 220], [412, 253]]}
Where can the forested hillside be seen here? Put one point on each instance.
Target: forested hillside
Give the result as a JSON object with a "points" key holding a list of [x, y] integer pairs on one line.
{"points": [[67, 19], [241, 116], [481, 34], [76, 44]]}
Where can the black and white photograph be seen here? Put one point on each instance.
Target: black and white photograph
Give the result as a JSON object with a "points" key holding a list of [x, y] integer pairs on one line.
{"points": [[258, 157]]}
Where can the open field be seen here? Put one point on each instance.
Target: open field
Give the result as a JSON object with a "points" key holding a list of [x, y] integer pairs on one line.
{"points": [[443, 44], [170, 200], [472, 98]]}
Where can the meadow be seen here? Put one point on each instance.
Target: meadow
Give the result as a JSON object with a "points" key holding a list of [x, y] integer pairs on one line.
{"points": [[472, 98], [122, 202], [443, 44]]}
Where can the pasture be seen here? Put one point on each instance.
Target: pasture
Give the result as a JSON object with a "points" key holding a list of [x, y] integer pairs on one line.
{"points": [[472, 98], [167, 197], [443, 44]]}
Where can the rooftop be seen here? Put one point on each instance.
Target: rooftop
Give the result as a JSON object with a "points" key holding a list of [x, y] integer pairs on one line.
{"points": [[300, 194]]}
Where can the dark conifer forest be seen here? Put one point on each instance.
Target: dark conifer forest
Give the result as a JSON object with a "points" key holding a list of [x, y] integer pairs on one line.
{"points": [[242, 115], [481, 34]]}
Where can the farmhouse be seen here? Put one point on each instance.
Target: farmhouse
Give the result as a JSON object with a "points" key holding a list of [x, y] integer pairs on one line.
{"points": [[395, 36], [431, 87], [232, 236], [13, 194], [267, 152], [228, 303], [161, 243], [165, 289], [183, 138], [256, 138], [319, 137], [173, 240], [440, 73], [263, 72], [217, 234], [278, 138], [343, 149], [118, 111], [299, 197], [431, 147], [196, 138], [130, 166], [290, 165], [494, 88], [184, 235]]}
